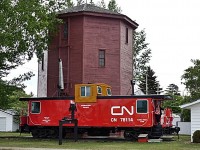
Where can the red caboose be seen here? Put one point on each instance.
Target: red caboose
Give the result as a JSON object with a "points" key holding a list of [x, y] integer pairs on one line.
{"points": [[97, 113]]}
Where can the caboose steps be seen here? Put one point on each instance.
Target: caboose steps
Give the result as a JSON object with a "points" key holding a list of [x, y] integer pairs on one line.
{"points": [[167, 138], [143, 138], [155, 140]]}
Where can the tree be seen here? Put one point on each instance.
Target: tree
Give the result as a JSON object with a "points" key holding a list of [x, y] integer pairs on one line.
{"points": [[191, 79], [80, 2], [69, 3], [141, 55], [172, 89], [178, 100], [5, 91], [26, 29], [8, 88], [14, 102], [149, 80], [102, 4], [112, 5], [91, 2], [174, 105]]}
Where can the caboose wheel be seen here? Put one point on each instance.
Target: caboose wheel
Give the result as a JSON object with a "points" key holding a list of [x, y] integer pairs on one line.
{"points": [[130, 135], [54, 133], [35, 133]]}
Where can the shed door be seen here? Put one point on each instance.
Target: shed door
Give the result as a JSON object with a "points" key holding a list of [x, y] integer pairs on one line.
{"points": [[2, 123]]}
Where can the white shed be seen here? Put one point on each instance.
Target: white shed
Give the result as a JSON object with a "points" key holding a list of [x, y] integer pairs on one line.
{"points": [[8, 120], [195, 117]]}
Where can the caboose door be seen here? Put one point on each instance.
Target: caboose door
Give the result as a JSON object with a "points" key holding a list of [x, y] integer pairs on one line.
{"points": [[143, 115]]}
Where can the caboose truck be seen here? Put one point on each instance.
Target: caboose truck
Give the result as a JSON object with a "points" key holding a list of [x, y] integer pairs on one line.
{"points": [[98, 113]]}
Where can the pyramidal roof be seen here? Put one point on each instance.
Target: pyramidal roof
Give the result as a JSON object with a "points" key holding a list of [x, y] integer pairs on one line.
{"points": [[88, 8]]}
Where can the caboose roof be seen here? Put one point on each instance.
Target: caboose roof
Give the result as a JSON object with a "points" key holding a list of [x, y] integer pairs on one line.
{"points": [[155, 97], [92, 10]]}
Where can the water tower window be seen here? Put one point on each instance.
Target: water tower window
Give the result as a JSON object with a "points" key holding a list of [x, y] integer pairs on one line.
{"points": [[101, 58], [42, 62], [126, 36], [65, 30]]}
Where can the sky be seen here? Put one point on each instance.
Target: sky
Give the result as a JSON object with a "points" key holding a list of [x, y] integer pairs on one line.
{"points": [[172, 30]]}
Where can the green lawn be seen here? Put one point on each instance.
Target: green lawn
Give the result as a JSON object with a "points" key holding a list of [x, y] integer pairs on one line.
{"points": [[26, 141]]}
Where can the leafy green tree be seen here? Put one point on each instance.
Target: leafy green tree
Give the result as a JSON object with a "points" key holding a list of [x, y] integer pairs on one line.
{"points": [[25, 28], [141, 54], [186, 115], [112, 5], [178, 100], [14, 102], [191, 79], [5, 91], [149, 79], [69, 3], [8, 88], [175, 103]]}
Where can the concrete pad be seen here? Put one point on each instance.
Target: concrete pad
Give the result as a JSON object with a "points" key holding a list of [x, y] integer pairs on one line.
{"points": [[155, 140], [167, 138]]}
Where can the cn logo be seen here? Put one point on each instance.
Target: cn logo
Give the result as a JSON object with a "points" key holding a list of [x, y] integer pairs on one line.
{"points": [[119, 110]]}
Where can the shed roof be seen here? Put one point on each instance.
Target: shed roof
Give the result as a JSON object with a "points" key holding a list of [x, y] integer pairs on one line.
{"points": [[9, 112], [189, 105]]}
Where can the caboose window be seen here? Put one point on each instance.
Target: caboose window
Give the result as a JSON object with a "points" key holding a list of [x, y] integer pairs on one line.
{"points": [[85, 91], [99, 90], [141, 106], [35, 107], [109, 92]]}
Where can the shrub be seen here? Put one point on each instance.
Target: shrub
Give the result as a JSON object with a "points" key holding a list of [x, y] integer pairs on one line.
{"points": [[196, 136]]}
